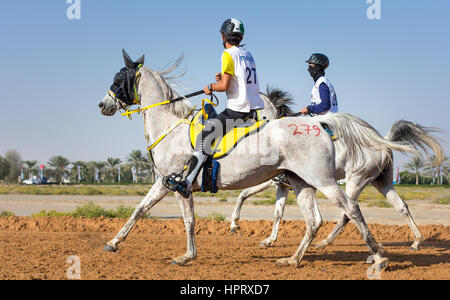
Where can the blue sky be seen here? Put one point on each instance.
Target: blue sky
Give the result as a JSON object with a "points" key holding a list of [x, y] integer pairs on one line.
{"points": [[54, 71]]}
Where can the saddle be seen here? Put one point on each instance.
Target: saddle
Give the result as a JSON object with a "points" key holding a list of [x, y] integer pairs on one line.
{"points": [[226, 144]]}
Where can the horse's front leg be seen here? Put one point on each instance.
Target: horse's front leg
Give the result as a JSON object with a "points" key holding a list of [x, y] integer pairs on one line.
{"points": [[156, 193], [187, 208], [306, 199], [282, 193], [242, 197]]}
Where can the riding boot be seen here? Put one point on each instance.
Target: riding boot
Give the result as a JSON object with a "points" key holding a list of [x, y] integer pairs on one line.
{"points": [[195, 164]]}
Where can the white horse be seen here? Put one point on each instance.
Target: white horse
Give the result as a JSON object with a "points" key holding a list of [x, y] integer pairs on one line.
{"points": [[377, 170], [308, 160]]}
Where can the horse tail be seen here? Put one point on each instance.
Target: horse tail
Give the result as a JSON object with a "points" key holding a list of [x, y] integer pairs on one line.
{"points": [[417, 136], [359, 137]]}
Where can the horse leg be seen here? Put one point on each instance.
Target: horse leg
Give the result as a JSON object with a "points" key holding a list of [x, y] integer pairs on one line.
{"points": [[335, 193], [386, 188], [308, 206], [156, 193], [282, 193], [329, 240], [187, 208], [242, 197], [353, 190]]}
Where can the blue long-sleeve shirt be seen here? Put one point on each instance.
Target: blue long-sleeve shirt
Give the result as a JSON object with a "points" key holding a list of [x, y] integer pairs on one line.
{"points": [[325, 105]]}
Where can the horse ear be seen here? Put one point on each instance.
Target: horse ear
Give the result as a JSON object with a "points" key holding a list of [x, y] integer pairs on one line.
{"points": [[127, 60], [141, 60]]}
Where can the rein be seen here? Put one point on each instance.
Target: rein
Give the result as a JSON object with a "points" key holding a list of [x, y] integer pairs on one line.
{"points": [[128, 113]]}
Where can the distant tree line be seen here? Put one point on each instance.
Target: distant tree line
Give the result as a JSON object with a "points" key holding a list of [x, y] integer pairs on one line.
{"points": [[60, 169], [416, 171], [420, 171]]}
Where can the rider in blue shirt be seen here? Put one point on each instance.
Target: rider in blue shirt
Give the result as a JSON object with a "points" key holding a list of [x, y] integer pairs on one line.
{"points": [[323, 95]]}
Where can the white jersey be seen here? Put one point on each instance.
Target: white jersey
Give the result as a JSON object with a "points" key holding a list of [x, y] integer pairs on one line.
{"points": [[243, 93], [315, 95]]}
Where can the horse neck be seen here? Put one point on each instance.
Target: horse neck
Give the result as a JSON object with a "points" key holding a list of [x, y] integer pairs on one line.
{"points": [[159, 119]]}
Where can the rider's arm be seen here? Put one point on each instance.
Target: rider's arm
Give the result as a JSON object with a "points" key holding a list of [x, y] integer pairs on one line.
{"points": [[223, 84], [223, 79], [325, 104]]}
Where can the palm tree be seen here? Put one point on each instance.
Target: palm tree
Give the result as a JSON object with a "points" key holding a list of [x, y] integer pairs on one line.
{"points": [[83, 170], [435, 170], [432, 170], [30, 164], [59, 163], [137, 160], [111, 164], [100, 165], [415, 165]]}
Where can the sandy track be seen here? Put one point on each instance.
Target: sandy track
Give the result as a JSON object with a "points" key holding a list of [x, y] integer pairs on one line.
{"points": [[37, 248]]}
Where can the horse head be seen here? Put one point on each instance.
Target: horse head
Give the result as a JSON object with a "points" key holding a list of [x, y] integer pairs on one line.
{"points": [[123, 92]]}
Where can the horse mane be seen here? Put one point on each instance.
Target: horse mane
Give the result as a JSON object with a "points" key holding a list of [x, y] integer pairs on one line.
{"points": [[281, 100], [169, 85]]}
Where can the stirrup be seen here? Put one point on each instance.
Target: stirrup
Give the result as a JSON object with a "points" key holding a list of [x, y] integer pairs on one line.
{"points": [[175, 183]]}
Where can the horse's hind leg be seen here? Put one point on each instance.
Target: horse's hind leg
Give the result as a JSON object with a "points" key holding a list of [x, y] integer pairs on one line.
{"points": [[353, 190], [385, 187], [187, 208], [282, 193], [156, 193], [335, 193], [242, 197], [306, 200]]}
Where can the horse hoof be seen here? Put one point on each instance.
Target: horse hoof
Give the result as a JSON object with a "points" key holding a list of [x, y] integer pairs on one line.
{"points": [[177, 263], [264, 244], [322, 244], [415, 247], [234, 230], [109, 248], [284, 262], [180, 261]]}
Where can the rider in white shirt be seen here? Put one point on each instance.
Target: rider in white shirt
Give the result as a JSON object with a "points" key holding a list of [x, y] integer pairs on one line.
{"points": [[240, 81]]}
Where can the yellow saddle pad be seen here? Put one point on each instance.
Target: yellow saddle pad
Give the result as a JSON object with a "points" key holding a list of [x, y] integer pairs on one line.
{"points": [[225, 144]]}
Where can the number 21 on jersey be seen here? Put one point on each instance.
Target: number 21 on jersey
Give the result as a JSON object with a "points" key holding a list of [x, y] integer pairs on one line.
{"points": [[251, 75]]}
